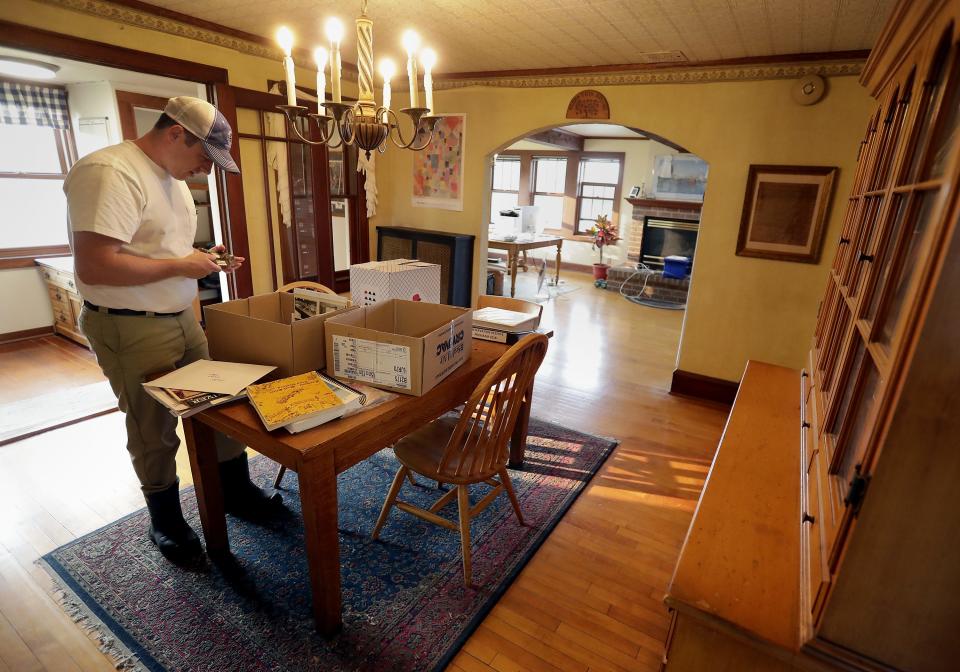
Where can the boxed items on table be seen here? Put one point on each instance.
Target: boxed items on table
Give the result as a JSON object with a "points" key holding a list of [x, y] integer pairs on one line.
{"points": [[261, 330], [407, 279], [403, 346], [505, 320]]}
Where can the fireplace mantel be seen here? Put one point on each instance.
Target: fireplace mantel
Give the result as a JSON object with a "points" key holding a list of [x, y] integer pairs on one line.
{"points": [[692, 206]]}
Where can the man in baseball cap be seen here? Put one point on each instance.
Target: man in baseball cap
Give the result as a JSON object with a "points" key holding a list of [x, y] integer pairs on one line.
{"points": [[132, 226], [204, 121]]}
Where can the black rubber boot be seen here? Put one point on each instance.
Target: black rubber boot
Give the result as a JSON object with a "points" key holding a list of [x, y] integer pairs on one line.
{"points": [[168, 530], [244, 499]]}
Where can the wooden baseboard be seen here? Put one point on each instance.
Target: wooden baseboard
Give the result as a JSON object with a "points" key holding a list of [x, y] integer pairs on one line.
{"points": [[703, 387], [25, 334]]}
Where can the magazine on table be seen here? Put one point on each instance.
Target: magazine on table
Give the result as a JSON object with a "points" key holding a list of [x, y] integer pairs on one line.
{"points": [[203, 384], [502, 319], [303, 401]]}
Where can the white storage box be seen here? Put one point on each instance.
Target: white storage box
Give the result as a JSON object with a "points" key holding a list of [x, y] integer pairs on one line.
{"points": [[406, 279]]}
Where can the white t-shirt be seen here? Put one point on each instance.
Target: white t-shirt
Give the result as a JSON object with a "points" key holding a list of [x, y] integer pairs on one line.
{"points": [[120, 192]]}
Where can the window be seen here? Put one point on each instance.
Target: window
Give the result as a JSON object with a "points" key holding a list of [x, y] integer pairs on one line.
{"points": [[506, 189], [550, 175], [597, 181], [545, 179], [33, 165]]}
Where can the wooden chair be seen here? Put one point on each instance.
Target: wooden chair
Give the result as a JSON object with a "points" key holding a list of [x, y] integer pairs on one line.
{"points": [[289, 287], [472, 448]]}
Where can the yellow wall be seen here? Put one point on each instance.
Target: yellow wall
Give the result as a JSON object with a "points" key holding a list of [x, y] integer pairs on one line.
{"points": [[739, 308]]}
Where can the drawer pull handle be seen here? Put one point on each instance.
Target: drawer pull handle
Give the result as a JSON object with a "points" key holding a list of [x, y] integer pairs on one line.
{"points": [[807, 518]]}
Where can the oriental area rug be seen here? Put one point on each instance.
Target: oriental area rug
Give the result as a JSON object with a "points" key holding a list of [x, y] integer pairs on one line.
{"points": [[405, 607]]}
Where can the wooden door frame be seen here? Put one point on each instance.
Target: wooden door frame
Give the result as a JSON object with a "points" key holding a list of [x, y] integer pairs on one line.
{"points": [[127, 102], [233, 219]]}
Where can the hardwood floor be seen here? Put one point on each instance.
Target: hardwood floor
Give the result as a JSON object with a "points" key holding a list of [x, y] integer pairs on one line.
{"points": [[589, 600], [35, 366]]}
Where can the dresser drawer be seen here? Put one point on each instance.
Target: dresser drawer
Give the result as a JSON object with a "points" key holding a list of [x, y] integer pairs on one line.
{"points": [[58, 297], [59, 278]]}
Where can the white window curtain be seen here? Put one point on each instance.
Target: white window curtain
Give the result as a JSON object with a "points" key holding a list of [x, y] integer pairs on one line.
{"points": [[31, 105]]}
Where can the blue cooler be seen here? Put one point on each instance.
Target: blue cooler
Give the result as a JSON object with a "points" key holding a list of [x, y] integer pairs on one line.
{"points": [[676, 267]]}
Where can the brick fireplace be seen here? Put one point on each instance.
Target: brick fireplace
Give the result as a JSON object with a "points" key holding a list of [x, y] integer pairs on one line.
{"points": [[649, 207]]}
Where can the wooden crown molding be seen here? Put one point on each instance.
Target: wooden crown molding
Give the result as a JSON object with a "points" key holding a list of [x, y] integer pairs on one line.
{"points": [[788, 66], [152, 17]]}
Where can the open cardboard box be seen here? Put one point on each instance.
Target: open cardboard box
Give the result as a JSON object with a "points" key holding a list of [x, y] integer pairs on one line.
{"points": [[260, 330], [403, 346]]}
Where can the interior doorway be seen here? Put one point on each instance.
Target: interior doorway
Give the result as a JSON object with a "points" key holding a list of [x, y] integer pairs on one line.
{"points": [[624, 205], [51, 379]]}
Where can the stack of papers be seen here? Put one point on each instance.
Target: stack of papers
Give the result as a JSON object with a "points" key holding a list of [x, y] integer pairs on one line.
{"points": [[309, 303], [203, 384], [505, 320], [304, 401]]}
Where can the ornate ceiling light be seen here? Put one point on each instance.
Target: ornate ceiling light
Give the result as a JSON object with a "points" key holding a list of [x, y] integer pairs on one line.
{"points": [[363, 123]]}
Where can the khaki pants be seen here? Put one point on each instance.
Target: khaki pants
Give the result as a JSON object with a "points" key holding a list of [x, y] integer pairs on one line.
{"points": [[130, 349]]}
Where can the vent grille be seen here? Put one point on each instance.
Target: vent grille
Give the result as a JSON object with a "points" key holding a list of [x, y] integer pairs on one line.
{"points": [[663, 57]]}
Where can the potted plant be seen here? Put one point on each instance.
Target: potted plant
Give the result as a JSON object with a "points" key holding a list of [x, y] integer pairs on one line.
{"points": [[604, 233]]}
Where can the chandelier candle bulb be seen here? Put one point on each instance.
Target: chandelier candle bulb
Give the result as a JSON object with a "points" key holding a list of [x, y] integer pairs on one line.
{"points": [[334, 31], [320, 57], [285, 39], [429, 59], [411, 42], [387, 71]]}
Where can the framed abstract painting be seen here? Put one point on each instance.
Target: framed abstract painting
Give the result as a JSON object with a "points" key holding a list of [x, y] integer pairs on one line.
{"points": [[438, 169], [785, 212]]}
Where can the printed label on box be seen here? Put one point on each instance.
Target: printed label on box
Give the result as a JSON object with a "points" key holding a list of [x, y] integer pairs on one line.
{"points": [[371, 362]]}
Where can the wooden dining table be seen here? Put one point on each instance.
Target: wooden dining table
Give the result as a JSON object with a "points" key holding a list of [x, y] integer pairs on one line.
{"points": [[319, 454]]}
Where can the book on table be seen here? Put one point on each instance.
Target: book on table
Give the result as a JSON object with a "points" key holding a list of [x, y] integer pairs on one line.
{"points": [[303, 401], [500, 336], [502, 319]]}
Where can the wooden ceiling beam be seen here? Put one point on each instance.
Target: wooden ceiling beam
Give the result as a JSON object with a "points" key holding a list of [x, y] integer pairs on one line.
{"points": [[558, 138]]}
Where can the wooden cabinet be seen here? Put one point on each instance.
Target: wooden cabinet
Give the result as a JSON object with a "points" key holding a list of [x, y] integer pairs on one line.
{"points": [[879, 435], [66, 303]]}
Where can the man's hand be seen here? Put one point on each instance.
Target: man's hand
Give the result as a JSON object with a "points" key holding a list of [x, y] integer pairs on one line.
{"points": [[198, 264], [235, 262]]}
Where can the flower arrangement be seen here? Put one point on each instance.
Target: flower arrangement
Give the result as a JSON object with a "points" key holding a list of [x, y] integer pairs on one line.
{"points": [[604, 232]]}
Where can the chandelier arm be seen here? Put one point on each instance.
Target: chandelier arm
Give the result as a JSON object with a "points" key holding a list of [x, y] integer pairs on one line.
{"points": [[347, 121], [401, 143]]}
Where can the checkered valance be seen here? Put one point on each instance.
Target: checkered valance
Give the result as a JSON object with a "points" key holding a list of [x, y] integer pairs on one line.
{"points": [[32, 105]]}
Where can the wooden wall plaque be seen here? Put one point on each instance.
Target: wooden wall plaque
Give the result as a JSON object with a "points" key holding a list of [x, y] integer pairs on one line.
{"points": [[588, 104]]}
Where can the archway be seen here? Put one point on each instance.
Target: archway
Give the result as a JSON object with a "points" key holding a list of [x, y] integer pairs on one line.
{"points": [[562, 177]]}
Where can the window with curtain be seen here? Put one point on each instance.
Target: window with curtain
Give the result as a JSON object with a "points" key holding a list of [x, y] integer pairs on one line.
{"points": [[506, 190], [597, 182], [37, 153]]}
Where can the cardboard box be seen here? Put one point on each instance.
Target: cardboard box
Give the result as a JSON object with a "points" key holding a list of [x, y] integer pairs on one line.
{"points": [[402, 346], [407, 279], [258, 330]]}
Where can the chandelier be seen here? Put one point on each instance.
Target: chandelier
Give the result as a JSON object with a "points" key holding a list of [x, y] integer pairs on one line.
{"points": [[363, 123]]}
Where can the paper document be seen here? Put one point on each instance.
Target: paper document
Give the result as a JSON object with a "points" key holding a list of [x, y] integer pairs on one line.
{"points": [[206, 375], [371, 362]]}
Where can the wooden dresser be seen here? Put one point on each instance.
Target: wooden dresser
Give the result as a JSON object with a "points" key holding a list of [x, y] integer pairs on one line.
{"points": [[66, 303], [834, 545]]}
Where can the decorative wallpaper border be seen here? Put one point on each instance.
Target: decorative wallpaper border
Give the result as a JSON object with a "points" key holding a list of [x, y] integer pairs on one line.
{"points": [[681, 75], [690, 75]]}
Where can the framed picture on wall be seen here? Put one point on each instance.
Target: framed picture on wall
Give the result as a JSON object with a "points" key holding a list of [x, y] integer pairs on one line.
{"points": [[680, 177], [438, 170], [785, 212]]}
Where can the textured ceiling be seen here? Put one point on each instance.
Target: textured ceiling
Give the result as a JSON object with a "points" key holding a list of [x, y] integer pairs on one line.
{"points": [[486, 35]]}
